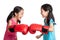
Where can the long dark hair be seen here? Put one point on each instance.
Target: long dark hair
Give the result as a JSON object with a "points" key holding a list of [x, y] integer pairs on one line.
{"points": [[12, 13], [48, 7]]}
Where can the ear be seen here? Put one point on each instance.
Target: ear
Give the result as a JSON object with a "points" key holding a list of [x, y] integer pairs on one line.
{"points": [[48, 11], [15, 14]]}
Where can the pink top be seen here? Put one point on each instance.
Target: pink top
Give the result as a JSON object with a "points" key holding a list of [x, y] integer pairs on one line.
{"points": [[10, 35]]}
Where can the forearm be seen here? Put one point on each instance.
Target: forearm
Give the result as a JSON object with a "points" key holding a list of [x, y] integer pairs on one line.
{"points": [[51, 29], [41, 34]]}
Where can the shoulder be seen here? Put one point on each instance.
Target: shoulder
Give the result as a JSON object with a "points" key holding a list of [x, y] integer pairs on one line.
{"points": [[51, 20], [9, 23]]}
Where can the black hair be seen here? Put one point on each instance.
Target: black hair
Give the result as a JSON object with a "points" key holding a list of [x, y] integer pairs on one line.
{"points": [[12, 13], [48, 7]]}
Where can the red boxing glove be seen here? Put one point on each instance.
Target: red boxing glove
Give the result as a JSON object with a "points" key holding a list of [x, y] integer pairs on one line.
{"points": [[34, 27], [37, 27], [45, 29], [20, 28]]}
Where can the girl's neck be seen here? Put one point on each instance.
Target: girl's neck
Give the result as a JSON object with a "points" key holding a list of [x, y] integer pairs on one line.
{"points": [[15, 19], [46, 18]]}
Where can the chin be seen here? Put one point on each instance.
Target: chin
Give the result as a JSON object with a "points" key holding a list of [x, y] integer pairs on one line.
{"points": [[19, 18], [43, 16]]}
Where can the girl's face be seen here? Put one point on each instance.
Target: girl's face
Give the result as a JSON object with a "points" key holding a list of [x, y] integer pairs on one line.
{"points": [[44, 13], [19, 15]]}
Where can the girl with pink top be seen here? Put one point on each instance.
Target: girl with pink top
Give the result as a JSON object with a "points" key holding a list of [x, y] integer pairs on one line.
{"points": [[13, 19]]}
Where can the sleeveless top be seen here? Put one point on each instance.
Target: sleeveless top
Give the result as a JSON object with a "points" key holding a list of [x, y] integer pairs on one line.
{"points": [[10, 35], [50, 35]]}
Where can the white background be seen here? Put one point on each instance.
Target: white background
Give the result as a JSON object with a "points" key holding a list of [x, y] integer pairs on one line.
{"points": [[31, 15]]}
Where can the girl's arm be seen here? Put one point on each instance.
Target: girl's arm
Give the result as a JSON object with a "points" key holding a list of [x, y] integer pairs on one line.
{"points": [[51, 28], [9, 24]]}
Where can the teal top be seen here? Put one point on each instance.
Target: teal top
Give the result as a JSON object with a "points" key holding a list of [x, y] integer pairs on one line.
{"points": [[50, 35]]}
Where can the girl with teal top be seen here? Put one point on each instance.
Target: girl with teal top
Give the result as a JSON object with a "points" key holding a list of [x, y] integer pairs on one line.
{"points": [[46, 12]]}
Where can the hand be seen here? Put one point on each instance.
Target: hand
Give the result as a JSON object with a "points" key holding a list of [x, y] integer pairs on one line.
{"points": [[38, 36]]}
